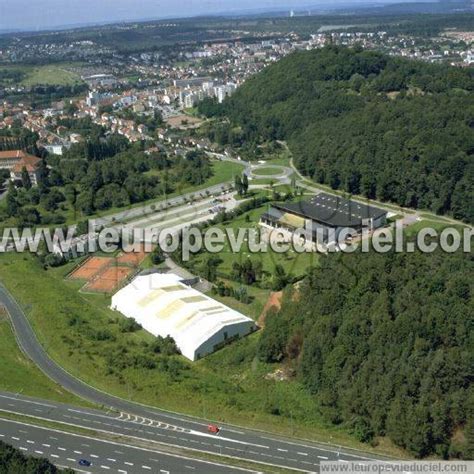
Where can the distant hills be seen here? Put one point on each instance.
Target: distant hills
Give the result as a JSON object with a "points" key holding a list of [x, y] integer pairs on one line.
{"points": [[371, 8], [383, 7]]}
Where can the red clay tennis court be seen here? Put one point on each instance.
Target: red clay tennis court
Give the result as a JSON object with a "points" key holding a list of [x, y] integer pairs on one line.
{"points": [[109, 279], [90, 268]]}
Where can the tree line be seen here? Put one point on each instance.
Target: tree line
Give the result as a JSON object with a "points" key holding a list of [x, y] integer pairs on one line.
{"points": [[13, 461]]}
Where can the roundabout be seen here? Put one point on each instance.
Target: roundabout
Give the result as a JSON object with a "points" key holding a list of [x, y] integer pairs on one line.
{"points": [[279, 173]]}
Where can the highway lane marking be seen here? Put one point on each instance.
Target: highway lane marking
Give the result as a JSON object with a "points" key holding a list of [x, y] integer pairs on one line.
{"points": [[39, 452], [158, 434], [135, 420], [319, 448], [15, 438], [118, 452], [23, 449], [234, 449], [146, 467], [283, 450], [128, 463], [233, 431], [62, 449], [302, 454], [322, 457], [94, 456], [190, 467], [46, 445], [105, 467], [64, 433], [83, 412], [111, 459], [70, 459], [22, 400], [78, 452], [122, 472], [54, 456], [207, 435], [29, 441]]}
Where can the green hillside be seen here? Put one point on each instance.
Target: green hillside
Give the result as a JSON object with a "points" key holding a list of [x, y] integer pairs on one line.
{"points": [[384, 343], [388, 128]]}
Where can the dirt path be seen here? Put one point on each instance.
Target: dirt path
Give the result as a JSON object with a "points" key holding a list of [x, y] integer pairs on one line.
{"points": [[274, 301]]}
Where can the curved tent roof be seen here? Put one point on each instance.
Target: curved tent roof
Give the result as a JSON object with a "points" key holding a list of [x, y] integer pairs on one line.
{"points": [[163, 305]]}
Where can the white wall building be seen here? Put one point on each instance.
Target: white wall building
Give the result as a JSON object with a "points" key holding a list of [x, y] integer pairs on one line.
{"points": [[221, 92], [164, 306]]}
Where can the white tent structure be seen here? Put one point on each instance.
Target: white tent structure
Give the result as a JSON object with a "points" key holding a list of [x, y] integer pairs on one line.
{"points": [[164, 306]]}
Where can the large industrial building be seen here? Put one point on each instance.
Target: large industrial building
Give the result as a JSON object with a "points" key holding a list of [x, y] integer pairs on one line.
{"points": [[165, 306], [322, 218]]}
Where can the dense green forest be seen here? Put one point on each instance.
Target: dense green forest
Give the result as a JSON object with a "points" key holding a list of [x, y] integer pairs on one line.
{"points": [[387, 128], [385, 343], [13, 461]]}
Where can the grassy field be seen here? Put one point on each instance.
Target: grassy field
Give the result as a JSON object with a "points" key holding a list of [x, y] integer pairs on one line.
{"points": [[57, 74], [267, 171], [51, 75], [254, 309], [84, 335], [438, 226], [19, 374], [263, 182], [294, 263]]}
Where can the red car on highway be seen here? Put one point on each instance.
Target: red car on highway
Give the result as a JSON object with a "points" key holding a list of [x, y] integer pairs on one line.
{"points": [[213, 429]]}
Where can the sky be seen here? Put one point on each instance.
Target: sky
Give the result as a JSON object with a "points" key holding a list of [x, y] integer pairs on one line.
{"points": [[43, 14]]}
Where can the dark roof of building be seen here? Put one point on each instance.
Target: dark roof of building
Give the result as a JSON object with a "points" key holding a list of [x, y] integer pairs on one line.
{"points": [[332, 210]]}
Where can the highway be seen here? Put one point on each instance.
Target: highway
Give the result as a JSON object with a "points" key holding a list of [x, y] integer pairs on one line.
{"points": [[65, 450], [133, 419]]}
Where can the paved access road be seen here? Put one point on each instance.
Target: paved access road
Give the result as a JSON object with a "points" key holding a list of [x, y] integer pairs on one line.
{"points": [[65, 450], [141, 421], [151, 209]]}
